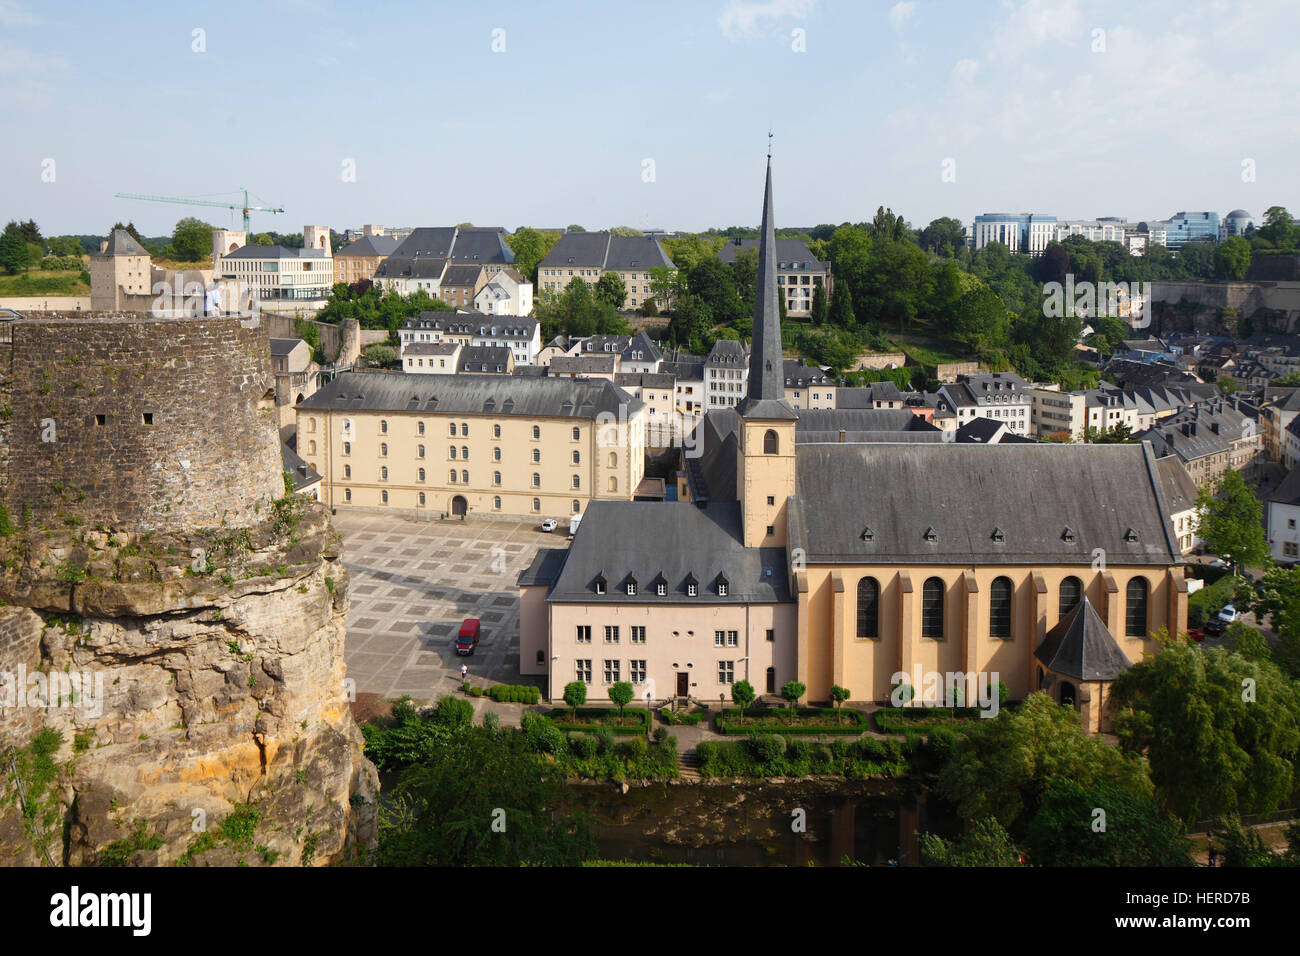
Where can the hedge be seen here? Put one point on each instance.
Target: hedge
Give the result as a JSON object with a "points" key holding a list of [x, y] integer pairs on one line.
{"points": [[685, 720], [922, 720], [561, 714], [858, 726], [514, 693], [774, 755]]}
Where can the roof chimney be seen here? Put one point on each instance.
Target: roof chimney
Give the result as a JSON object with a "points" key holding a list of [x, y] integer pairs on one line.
{"points": [[842, 434]]}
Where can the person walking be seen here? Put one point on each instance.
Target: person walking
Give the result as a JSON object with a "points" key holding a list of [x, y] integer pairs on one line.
{"points": [[463, 672]]}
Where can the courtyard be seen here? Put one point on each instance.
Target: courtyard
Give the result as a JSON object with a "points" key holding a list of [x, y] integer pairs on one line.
{"points": [[412, 582]]}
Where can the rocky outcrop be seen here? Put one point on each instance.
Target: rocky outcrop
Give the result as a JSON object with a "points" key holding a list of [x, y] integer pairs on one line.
{"points": [[185, 697]]}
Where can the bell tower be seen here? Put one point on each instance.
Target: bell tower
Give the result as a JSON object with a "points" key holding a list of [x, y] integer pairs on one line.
{"points": [[765, 466]]}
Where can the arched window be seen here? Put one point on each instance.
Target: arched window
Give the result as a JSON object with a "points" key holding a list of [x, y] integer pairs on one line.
{"points": [[613, 460], [419, 426], [420, 474], [464, 452], [383, 497], [1135, 611], [537, 504], [1000, 608], [464, 477], [311, 425], [613, 484], [451, 429], [1071, 595], [383, 474], [537, 455], [577, 457], [464, 429], [496, 454], [496, 502], [537, 431], [576, 434], [868, 608], [383, 448], [770, 443], [347, 471], [383, 426], [577, 506], [496, 431], [422, 499], [420, 452], [452, 474], [347, 494], [932, 609], [311, 447], [496, 477], [451, 451]]}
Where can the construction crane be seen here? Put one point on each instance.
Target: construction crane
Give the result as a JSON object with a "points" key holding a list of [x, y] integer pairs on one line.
{"points": [[205, 202]]}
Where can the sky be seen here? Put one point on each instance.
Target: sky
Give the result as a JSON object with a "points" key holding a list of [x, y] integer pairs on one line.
{"points": [[653, 115]]}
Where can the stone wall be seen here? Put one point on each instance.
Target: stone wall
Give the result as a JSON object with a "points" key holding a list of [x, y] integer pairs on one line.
{"points": [[139, 423], [1225, 308]]}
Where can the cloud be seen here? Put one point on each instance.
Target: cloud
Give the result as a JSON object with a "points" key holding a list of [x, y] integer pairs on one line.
{"points": [[900, 13], [741, 19], [14, 14], [965, 71]]}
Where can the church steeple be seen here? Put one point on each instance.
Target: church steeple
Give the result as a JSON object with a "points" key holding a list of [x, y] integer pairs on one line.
{"points": [[766, 371]]}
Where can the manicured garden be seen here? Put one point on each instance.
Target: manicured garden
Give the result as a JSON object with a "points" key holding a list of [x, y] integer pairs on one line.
{"points": [[922, 720], [792, 721], [592, 719], [772, 755]]}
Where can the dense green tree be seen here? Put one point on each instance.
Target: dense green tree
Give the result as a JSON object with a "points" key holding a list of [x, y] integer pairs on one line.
{"points": [[1002, 766], [712, 282], [687, 252], [1067, 830], [530, 247], [839, 694], [192, 240], [620, 695], [1231, 258], [979, 323], [791, 691], [575, 695], [742, 695], [1280, 603], [744, 274], [691, 321], [944, 231], [611, 290], [1197, 259], [1220, 733], [667, 286], [987, 844], [14, 253], [841, 315], [1108, 333], [820, 306], [1231, 520], [130, 230], [626, 231], [65, 246], [573, 227], [1279, 231]]}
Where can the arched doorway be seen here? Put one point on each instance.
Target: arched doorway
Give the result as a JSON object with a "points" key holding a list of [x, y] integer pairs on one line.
{"points": [[1067, 693], [459, 505]]}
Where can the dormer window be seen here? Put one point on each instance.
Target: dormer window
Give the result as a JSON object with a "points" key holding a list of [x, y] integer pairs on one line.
{"points": [[1130, 536], [998, 535], [600, 584], [931, 535], [868, 534], [691, 590], [1067, 535], [722, 588], [661, 589]]}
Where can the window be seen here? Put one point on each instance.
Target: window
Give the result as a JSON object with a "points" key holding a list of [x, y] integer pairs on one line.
{"points": [[577, 483], [638, 634], [383, 497], [537, 504], [537, 480], [661, 589], [496, 454], [451, 452], [383, 449], [1290, 549], [932, 609], [383, 474], [1071, 594], [496, 431], [383, 427], [419, 474], [347, 471], [1290, 522], [1135, 611], [611, 672], [496, 477], [419, 428], [611, 634], [464, 429], [636, 671], [771, 635], [868, 609], [496, 503], [452, 479], [537, 432], [347, 448], [631, 588], [719, 638], [722, 589], [421, 499], [613, 484], [347, 494], [584, 670], [771, 499], [464, 452], [577, 506], [419, 451], [726, 672], [576, 434], [537, 455], [770, 443], [691, 590], [464, 477], [1000, 608], [584, 633], [452, 429], [577, 457]]}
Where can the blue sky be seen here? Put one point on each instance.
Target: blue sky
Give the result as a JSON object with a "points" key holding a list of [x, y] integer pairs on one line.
{"points": [[558, 127]]}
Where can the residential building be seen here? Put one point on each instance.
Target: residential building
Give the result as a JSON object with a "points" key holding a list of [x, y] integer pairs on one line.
{"points": [[1209, 439], [586, 366], [589, 255], [1274, 417], [657, 392], [798, 272], [295, 379], [419, 262], [459, 285], [431, 358], [359, 260], [785, 570], [485, 360], [522, 336], [1180, 494], [487, 444], [726, 370], [1281, 514], [808, 386], [506, 293], [1003, 396]]}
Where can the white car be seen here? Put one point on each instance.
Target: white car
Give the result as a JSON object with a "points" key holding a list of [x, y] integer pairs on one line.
{"points": [[1229, 614], [1220, 564], [549, 525]]}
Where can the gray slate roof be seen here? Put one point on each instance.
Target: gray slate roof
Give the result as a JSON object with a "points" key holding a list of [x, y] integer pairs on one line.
{"points": [[1081, 647], [370, 246], [787, 251], [484, 358], [461, 275], [122, 243], [472, 395], [430, 348], [282, 347], [274, 252], [583, 364], [1032, 492], [1288, 491], [646, 539], [859, 420], [606, 252], [1179, 489]]}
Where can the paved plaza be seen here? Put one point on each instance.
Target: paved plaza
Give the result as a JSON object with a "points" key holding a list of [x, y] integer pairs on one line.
{"points": [[411, 584]]}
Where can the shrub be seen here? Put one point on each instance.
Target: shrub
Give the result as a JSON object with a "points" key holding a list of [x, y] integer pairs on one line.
{"points": [[635, 748], [476, 692], [605, 738], [454, 712], [583, 745], [798, 749], [839, 749], [769, 747], [660, 734], [491, 721]]}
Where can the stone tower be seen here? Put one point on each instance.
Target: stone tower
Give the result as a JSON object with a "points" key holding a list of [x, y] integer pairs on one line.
{"points": [[122, 269], [224, 242], [765, 467], [316, 237]]}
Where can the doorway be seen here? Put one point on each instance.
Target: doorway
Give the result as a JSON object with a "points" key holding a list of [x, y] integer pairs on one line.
{"points": [[683, 684], [459, 506]]}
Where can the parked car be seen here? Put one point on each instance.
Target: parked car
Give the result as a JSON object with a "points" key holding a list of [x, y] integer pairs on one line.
{"points": [[549, 525], [1214, 626], [467, 638], [1196, 634], [1220, 564], [1228, 614]]}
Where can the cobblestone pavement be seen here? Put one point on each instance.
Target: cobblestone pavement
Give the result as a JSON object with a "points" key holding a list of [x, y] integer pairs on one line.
{"points": [[414, 581]]}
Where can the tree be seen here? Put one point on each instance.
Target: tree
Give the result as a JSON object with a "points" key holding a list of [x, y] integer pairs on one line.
{"points": [[530, 247], [611, 289], [1290, 379], [1065, 831], [742, 695], [32, 233], [380, 354], [192, 240], [988, 844], [1001, 767], [1232, 521], [944, 231], [842, 307], [691, 320], [820, 307], [1220, 733], [1281, 603], [574, 228], [575, 695], [980, 323], [625, 231], [14, 255], [667, 285], [1120, 434], [1197, 259], [65, 246], [792, 691], [744, 274], [621, 694], [1231, 258], [839, 694], [713, 283]]}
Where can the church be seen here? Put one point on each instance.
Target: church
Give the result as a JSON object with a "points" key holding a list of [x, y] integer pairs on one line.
{"points": [[819, 555]]}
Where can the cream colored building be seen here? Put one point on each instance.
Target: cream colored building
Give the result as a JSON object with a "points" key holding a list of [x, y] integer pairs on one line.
{"points": [[360, 259], [457, 444], [589, 255]]}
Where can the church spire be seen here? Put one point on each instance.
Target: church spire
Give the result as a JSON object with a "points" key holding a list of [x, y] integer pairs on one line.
{"points": [[766, 372]]}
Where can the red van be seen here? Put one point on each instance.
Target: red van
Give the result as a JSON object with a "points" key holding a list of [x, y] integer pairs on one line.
{"points": [[467, 639]]}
